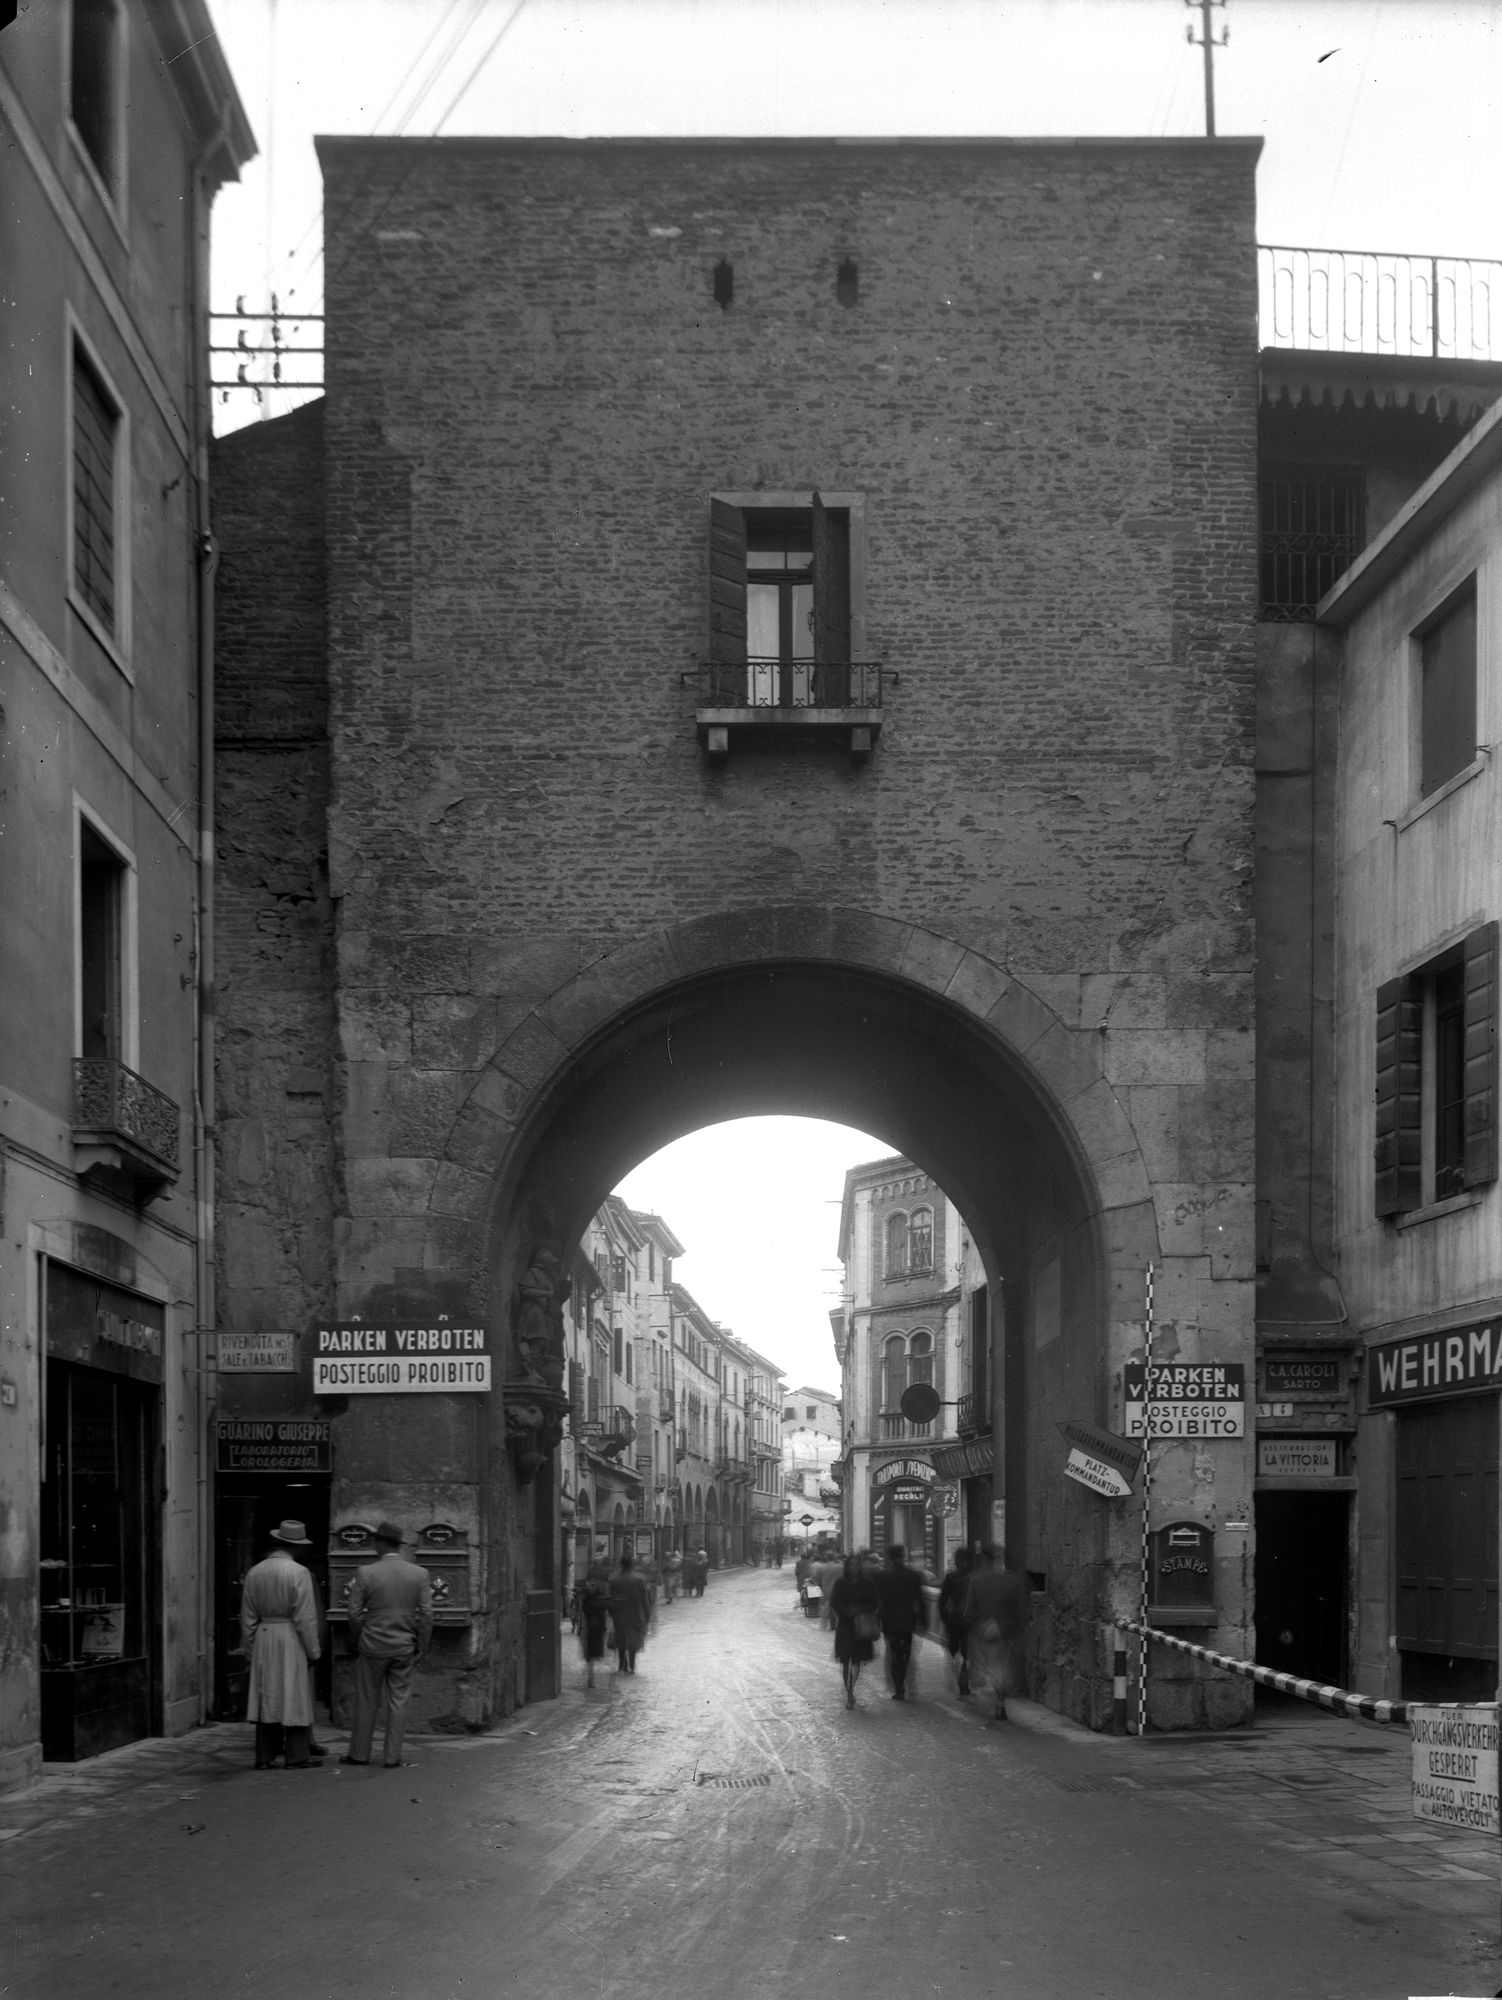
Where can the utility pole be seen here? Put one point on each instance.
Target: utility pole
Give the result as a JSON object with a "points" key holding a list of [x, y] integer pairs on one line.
{"points": [[1206, 41]]}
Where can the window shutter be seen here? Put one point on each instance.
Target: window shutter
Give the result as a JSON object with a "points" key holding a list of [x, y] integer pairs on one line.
{"points": [[831, 606], [727, 603], [1480, 1155], [1398, 1154]]}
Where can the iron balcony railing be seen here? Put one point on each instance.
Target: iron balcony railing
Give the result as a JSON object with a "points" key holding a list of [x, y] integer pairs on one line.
{"points": [[110, 1100], [971, 1414], [759, 683], [1380, 302]]}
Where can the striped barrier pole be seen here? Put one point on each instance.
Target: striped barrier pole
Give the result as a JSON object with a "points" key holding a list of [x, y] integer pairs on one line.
{"points": [[1340, 1701], [1119, 1684], [1147, 1495]]}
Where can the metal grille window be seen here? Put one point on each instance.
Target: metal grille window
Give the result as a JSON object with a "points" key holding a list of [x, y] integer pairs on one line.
{"points": [[1313, 526], [96, 432]]}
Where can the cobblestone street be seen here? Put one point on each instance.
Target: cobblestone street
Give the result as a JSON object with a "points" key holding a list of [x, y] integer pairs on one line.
{"points": [[719, 1823]]}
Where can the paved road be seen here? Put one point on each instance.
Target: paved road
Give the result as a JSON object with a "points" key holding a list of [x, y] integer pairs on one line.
{"points": [[720, 1826]]}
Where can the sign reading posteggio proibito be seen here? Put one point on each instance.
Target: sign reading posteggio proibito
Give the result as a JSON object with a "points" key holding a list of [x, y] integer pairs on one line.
{"points": [[1455, 1766], [359, 1358], [1185, 1399]]}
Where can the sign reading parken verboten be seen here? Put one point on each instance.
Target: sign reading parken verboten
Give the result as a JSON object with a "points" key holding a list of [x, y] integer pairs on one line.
{"points": [[1185, 1399], [356, 1359]]}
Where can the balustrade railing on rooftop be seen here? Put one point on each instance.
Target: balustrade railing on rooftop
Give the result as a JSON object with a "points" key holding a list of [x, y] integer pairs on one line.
{"points": [[1380, 302]]}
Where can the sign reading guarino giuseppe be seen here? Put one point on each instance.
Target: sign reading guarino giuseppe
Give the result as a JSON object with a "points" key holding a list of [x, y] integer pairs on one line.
{"points": [[353, 1358]]}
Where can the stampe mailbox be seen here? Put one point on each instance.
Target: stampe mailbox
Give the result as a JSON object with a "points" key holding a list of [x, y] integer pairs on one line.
{"points": [[441, 1549], [1182, 1590]]}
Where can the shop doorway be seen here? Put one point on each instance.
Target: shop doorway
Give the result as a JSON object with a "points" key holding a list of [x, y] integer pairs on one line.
{"points": [[100, 1558], [1301, 1570], [249, 1505], [1446, 1546]]}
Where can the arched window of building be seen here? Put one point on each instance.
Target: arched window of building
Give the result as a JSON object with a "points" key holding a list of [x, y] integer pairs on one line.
{"points": [[896, 1246], [893, 1370], [920, 1358], [920, 1241]]}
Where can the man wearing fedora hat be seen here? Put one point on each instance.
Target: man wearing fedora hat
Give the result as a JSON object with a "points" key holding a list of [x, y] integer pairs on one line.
{"points": [[279, 1630], [391, 1617]]}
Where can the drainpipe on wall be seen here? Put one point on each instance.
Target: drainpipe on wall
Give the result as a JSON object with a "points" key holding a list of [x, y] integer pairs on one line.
{"points": [[203, 921]]}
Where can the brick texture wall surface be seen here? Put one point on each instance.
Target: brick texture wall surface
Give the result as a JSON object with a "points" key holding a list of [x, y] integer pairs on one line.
{"points": [[1046, 392]]}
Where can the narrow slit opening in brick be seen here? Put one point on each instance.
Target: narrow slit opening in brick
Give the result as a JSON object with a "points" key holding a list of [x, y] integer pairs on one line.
{"points": [[724, 282], [847, 283]]}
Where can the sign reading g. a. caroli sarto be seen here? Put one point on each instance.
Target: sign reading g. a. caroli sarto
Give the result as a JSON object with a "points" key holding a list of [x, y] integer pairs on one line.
{"points": [[1185, 1399], [356, 1359]]}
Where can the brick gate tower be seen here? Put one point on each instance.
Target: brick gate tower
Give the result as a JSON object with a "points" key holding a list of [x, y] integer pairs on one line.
{"points": [[753, 626]]}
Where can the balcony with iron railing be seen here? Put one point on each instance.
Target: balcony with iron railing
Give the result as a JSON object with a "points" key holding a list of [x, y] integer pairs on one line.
{"points": [[767, 694], [1380, 302], [972, 1417], [610, 1432], [126, 1133]]}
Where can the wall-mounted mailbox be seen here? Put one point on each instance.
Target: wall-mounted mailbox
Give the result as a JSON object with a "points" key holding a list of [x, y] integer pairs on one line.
{"points": [[1181, 1584], [441, 1549]]}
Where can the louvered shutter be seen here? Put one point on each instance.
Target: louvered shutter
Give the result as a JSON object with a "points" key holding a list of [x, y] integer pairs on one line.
{"points": [[727, 604], [831, 606], [1480, 1155], [1398, 1154]]}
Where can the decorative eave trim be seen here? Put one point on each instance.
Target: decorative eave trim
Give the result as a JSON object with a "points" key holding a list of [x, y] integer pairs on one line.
{"points": [[1450, 391]]}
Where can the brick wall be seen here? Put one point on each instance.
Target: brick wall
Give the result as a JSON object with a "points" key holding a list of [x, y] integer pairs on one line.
{"points": [[273, 916]]}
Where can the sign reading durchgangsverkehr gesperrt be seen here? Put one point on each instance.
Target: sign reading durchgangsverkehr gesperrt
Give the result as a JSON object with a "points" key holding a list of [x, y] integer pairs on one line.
{"points": [[1185, 1399], [356, 1359], [1455, 1766]]}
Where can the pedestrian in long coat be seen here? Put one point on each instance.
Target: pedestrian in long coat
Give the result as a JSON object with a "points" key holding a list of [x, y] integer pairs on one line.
{"points": [[995, 1610], [630, 1612], [594, 1617], [952, 1616], [856, 1609], [279, 1630], [904, 1613]]}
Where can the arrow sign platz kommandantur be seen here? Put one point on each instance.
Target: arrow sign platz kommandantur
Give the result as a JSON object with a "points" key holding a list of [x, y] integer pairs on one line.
{"points": [[1125, 1454]]}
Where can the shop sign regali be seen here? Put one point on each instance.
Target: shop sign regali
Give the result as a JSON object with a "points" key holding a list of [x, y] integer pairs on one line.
{"points": [[354, 1358]]}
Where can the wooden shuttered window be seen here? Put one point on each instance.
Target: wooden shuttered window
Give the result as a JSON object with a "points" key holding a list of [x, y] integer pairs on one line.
{"points": [[1405, 1097], [727, 604], [831, 605], [1399, 1152], [1480, 1144], [95, 427]]}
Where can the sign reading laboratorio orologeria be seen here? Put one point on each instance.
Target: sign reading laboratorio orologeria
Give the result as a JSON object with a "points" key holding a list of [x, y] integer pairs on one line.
{"points": [[360, 1358], [1455, 1766], [1185, 1399]]}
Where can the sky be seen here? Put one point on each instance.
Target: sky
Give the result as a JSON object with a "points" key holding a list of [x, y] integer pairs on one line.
{"points": [[1382, 119], [1382, 130]]}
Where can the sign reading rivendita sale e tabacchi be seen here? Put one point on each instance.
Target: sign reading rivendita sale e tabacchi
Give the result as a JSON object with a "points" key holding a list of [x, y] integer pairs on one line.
{"points": [[356, 1358]]}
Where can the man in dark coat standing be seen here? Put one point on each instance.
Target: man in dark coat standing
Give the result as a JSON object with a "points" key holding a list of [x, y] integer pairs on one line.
{"points": [[391, 1617], [903, 1613], [630, 1612]]}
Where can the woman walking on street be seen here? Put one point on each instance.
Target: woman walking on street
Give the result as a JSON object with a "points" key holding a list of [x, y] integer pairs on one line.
{"points": [[854, 1606], [594, 1615]]}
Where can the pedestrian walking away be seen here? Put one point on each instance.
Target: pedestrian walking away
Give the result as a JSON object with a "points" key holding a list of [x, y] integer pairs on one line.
{"points": [[630, 1612], [995, 1611], [855, 1605], [672, 1574], [594, 1617], [391, 1617], [279, 1630], [952, 1617], [903, 1614]]}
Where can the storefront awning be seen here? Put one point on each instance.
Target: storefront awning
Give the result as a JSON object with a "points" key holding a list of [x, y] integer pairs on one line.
{"points": [[965, 1461]]}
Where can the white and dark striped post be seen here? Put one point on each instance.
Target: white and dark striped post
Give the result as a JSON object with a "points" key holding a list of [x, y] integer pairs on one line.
{"points": [[1147, 1497]]}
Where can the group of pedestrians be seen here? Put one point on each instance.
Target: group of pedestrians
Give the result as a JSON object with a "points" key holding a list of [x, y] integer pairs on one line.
{"points": [[620, 1604], [982, 1609], [390, 1611]]}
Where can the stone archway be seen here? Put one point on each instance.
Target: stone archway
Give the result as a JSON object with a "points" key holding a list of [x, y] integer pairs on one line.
{"points": [[1040, 1105]]}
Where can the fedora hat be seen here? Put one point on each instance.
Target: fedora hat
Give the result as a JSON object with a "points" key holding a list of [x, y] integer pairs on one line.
{"points": [[387, 1531], [293, 1532]]}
